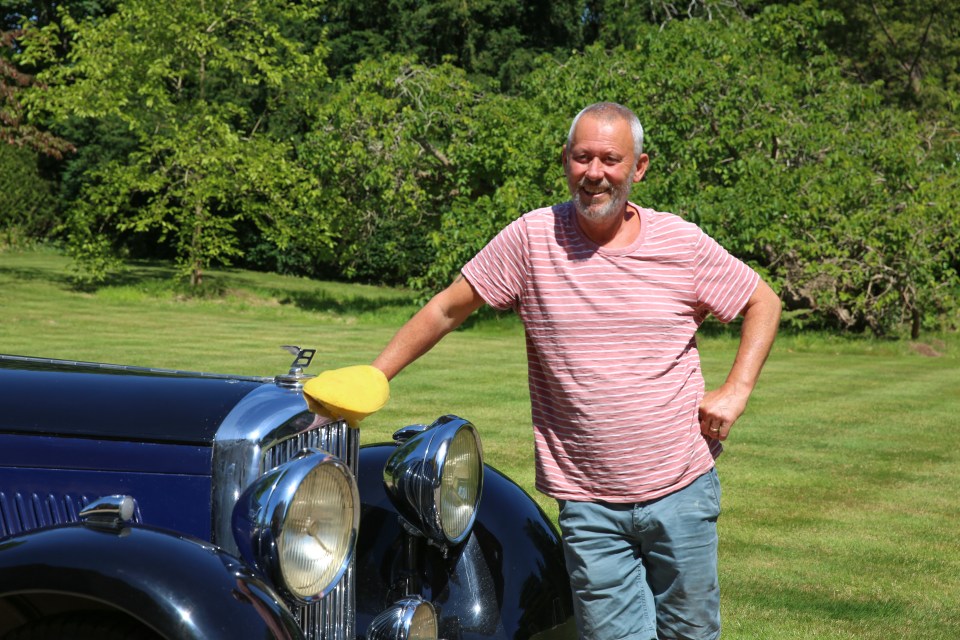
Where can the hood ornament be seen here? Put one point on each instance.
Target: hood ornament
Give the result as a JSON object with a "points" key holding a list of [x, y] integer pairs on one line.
{"points": [[302, 359]]}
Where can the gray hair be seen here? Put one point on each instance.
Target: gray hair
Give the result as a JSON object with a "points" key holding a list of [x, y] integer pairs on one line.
{"points": [[608, 111]]}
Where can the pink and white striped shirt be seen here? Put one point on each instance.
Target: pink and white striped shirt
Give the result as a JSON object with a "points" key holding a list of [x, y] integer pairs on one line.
{"points": [[614, 372]]}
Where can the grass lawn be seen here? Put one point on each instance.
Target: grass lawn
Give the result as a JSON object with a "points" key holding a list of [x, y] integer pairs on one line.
{"points": [[841, 482]]}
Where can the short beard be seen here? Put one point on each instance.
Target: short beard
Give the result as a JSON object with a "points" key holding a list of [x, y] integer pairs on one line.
{"points": [[597, 213]]}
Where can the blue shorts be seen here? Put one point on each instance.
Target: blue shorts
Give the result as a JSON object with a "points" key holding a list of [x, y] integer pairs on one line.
{"points": [[647, 570]]}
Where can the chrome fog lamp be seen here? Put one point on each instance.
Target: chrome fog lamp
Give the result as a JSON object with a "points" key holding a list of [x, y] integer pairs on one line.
{"points": [[412, 618], [434, 479], [298, 523]]}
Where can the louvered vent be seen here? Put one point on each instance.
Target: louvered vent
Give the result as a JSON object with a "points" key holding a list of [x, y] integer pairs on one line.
{"points": [[20, 512]]}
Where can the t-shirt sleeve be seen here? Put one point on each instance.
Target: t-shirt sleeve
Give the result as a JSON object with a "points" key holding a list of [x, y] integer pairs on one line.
{"points": [[498, 272], [724, 284]]}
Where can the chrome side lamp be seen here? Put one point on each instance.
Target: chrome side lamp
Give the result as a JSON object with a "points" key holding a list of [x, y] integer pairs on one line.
{"points": [[411, 618], [435, 477]]}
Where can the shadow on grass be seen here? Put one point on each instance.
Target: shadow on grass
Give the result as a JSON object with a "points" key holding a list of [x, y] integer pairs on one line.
{"points": [[345, 305], [139, 272], [159, 277], [220, 283], [134, 273], [36, 274]]}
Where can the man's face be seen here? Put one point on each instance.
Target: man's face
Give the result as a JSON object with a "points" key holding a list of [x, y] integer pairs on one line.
{"points": [[600, 166]]}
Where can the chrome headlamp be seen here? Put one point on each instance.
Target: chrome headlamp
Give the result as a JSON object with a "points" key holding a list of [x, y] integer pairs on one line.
{"points": [[298, 523], [434, 479], [412, 618]]}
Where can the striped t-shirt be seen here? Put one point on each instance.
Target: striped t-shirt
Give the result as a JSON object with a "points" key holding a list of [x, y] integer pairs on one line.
{"points": [[614, 372]]}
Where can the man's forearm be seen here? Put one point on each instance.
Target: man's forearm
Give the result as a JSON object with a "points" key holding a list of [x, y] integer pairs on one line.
{"points": [[415, 338], [445, 312], [761, 318]]}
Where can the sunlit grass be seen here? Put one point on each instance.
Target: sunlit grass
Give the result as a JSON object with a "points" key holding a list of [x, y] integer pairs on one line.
{"points": [[840, 498], [840, 482]]}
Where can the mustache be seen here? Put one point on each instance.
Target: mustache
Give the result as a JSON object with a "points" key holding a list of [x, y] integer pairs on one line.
{"points": [[603, 185]]}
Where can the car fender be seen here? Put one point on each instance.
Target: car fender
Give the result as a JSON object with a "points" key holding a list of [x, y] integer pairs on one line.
{"points": [[506, 580], [180, 587]]}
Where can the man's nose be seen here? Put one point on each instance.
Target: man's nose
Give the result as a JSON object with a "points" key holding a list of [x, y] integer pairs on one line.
{"points": [[594, 169]]}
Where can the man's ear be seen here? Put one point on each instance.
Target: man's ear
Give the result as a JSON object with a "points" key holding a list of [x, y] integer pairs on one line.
{"points": [[563, 157], [641, 169]]}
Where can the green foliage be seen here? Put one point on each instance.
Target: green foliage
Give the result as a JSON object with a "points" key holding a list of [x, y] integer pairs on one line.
{"points": [[816, 139], [420, 167], [17, 14], [911, 46], [196, 87], [615, 23], [760, 139], [495, 38], [27, 202], [14, 127], [381, 145], [507, 163]]}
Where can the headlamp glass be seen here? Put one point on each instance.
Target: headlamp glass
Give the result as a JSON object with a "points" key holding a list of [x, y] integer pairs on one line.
{"points": [[459, 484], [317, 533]]}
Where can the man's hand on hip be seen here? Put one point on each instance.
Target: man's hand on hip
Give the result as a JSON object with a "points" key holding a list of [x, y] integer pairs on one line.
{"points": [[721, 408]]}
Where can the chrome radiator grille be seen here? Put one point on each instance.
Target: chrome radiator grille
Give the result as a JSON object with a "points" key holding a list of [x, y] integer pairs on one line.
{"points": [[336, 438], [334, 617]]}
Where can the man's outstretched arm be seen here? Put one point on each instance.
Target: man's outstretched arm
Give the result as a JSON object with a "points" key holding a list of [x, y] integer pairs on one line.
{"points": [[445, 312], [722, 406]]}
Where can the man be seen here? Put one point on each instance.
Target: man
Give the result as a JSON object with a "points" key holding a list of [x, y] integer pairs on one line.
{"points": [[611, 295]]}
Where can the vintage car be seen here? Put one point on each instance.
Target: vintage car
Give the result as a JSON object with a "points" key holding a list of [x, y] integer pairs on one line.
{"points": [[141, 503]]}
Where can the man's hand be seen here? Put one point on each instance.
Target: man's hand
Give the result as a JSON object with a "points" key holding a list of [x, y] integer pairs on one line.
{"points": [[720, 409]]}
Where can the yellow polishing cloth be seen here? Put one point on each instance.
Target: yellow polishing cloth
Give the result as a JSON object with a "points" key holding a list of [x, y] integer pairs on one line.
{"points": [[350, 393]]}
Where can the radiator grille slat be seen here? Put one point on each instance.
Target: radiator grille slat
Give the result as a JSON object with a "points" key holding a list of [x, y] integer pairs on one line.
{"points": [[333, 618]]}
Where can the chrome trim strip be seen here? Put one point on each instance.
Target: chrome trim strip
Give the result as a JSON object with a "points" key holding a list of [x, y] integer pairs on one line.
{"points": [[131, 369]]}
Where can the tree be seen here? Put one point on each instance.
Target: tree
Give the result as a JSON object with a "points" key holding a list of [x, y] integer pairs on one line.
{"points": [[912, 47], [421, 166], [30, 155], [496, 39], [382, 145], [27, 202], [506, 163], [14, 129], [759, 137], [618, 22], [204, 93]]}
